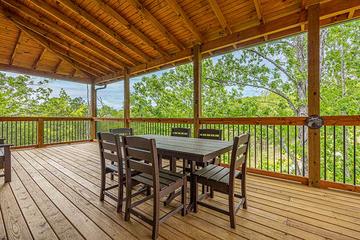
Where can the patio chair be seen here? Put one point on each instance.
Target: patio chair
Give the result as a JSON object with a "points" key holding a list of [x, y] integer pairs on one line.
{"points": [[213, 134], [110, 146], [175, 132], [5, 160], [120, 132], [163, 182], [222, 179]]}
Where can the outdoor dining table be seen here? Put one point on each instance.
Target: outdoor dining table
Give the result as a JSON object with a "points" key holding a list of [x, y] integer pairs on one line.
{"points": [[189, 149]]}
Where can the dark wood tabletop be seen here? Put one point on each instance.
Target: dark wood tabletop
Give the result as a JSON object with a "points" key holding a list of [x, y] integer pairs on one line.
{"points": [[193, 149]]}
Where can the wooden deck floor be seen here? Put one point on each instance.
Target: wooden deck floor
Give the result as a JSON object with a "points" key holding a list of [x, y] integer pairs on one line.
{"points": [[54, 195]]}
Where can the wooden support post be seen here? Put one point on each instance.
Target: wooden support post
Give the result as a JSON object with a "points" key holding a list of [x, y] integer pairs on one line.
{"points": [[40, 132], [93, 112], [314, 92], [197, 88], [126, 98]]}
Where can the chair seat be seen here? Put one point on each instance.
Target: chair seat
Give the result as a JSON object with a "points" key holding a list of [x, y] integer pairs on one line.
{"points": [[167, 179], [215, 173]]}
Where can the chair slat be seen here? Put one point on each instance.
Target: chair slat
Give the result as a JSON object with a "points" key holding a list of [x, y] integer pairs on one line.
{"points": [[140, 166], [111, 157], [138, 142], [109, 146], [139, 154]]}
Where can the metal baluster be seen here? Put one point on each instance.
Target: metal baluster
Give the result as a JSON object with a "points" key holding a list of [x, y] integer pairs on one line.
{"points": [[261, 147], [274, 149], [288, 149], [295, 160], [344, 152], [334, 143], [325, 170], [281, 141], [303, 157], [354, 155], [267, 147]]}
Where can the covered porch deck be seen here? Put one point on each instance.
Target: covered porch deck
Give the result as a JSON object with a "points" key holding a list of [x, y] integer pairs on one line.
{"points": [[54, 194]]}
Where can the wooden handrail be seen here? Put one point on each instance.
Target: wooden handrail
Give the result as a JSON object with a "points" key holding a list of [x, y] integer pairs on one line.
{"points": [[17, 119], [163, 120]]}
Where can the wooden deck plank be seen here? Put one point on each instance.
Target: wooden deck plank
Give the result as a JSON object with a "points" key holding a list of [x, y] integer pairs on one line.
{"points": [[37, 223], [330, 218], [84, 224], [61, 225], [15, 224], [55, 184]]}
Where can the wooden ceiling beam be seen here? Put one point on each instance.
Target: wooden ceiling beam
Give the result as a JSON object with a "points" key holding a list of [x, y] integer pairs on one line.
{"points": [[103, 28], [185, 19], [38, 59], [103, 59], [40, 73], [132, 28], [220, 16], [259, 12], [51, 37], [76, 27], [13, 53], [71, 49], [59, 52], [150, 18]]}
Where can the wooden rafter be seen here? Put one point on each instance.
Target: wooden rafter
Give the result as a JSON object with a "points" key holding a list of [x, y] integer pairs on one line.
{"points": [[259, 12], [22, 70], [220, 16], [351, 13], [12, 57], [127, 25], [76, 27], [281, 27], [105, 59], [58, 66], [74, 50], [53, 48], [103, 28], [38, 59], [58, 45], [183, 16], [150, 18]]}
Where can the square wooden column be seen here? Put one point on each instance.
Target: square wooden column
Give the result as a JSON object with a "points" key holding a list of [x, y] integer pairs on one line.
{"points": [[93, 112], [197, 88], [126, 98], [314, 92]]}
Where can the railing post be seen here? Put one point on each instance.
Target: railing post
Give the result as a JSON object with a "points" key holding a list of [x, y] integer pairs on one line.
{"points": [[197, 88], [40, 132], [314, 92], [93, 112], [126, 98]]}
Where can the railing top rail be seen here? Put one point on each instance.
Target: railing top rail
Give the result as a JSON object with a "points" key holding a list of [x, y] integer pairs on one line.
{"points": [[9, 119], [163, 120], [256, 121], [108, 119]]}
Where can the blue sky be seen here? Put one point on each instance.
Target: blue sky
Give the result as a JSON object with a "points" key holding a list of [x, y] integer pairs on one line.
{"points": [[113, 94]]}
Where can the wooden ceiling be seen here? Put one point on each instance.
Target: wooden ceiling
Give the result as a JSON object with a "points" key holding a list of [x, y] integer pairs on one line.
{"points": [[93, 41]]}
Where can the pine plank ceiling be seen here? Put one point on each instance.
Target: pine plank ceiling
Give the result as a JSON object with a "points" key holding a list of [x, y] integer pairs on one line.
{"points": [[96, 41]]}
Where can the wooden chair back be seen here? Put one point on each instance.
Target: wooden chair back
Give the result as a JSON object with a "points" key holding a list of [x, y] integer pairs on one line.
{"points": [[239, 156], [181, 132], [141, 155], [110, 149], [122, 131], [214, 134]]}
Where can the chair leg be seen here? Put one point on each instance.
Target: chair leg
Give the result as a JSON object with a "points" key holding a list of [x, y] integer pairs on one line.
{"points": [[120, 195], [128, 200], [195, 193], [211, 192], [156, 217], [232, 210], [102, 184], [243, 193], [183, 197]]}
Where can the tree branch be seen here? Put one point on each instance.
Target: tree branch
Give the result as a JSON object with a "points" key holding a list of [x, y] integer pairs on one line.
{"points": [[274, 63], [280, 94]]}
